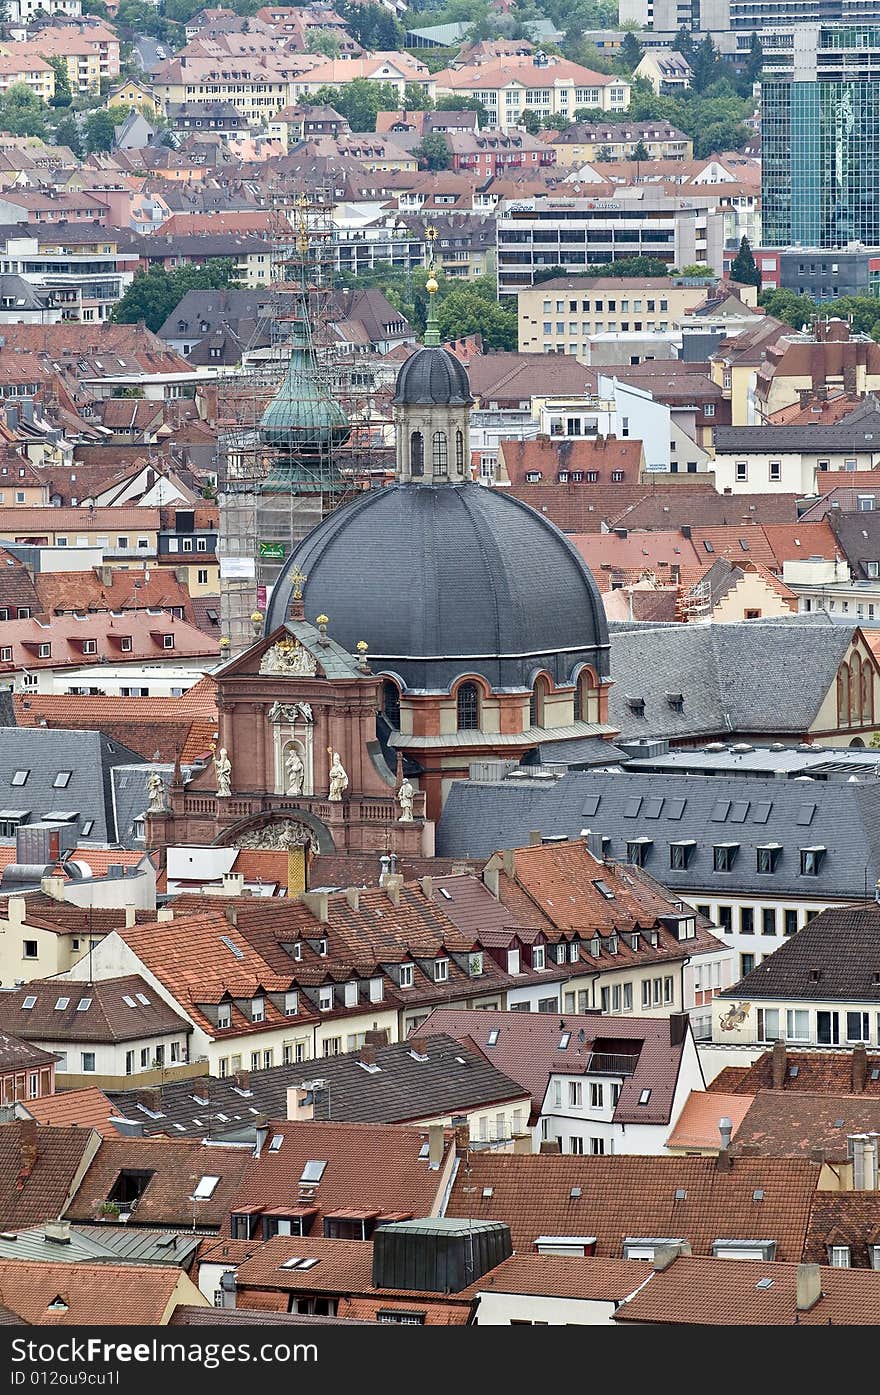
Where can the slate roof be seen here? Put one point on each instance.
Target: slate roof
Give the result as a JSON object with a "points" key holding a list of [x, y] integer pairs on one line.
{"points": [[87, 755], [858, 430], [478, 818], [38, 1168], [767, 677], [453, 1079], [374, 1167], [108, 1017], [626, 1195], [177, 1166], [724, 1292], [528, 1046], [834, 958]]}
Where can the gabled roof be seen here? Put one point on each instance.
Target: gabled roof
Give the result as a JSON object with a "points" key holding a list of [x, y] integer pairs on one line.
{"points": [[39, 1171], [834, 958], [17, 1054], [792, 1123], [563, 1276], [76, 1295], [697, 1124], [626, 1195], [118, 1010], [88, 1108], [371, 1167], [177, 1166]]}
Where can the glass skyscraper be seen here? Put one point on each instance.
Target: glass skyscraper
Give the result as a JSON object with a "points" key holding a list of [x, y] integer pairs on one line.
{"points": [[820, 119]]}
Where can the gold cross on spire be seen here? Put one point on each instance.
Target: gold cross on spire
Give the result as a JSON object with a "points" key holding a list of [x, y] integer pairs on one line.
{"points": [[298, 579]]}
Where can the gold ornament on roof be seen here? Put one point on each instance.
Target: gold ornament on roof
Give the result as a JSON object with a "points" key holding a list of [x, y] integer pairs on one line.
{"points": [[298, 579]]}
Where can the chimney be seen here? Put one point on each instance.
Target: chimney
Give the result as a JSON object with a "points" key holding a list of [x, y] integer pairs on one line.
{"points": [[678, 1025], [57, 1232], [261, 1126], [227, 1288], [664, 1255], [427, 885], [353, 897], [300, 1104], [725, 1128], [809, 1286], [231, 913], [724, 1162], [491, 877], [436, 1142], [242, 1078], [232, 884], [367, 1055], [550, 1145], [778, 1065], [376, 1036], [859, 1068], [151, 1099], [316, 903], [535, 838], [164, 913], [53, 886], [393, 883], [418, 1046], [27, 1147], [462, 1137], [15, 909], [130, 917]]}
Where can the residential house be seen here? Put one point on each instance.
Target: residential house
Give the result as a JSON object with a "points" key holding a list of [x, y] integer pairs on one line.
{"points": [[89, 1294], [583, 142], [28, 68], [822, 987], [43, 655], [175, 1183], [103, 1032], [594, 1088], [749, 459], [556, 316], [828, 354], [27, 1072], [546, 84], [551, 1290], [668, 72], [40, 1170]]}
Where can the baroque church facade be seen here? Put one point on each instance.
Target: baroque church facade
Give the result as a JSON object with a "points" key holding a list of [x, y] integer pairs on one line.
{"points": [[417, 629]]}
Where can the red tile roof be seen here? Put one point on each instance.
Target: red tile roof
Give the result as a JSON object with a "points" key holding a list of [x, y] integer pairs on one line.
{"points": [[564, 1276], [66, 636], [38, 1169], [627, 1195], [49, 1293], [86, 1109], [176, 1165], [697, 1124], [792, 1123], [726, 1292]]}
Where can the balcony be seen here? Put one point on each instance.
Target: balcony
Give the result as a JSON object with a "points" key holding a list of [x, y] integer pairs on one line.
{"points": [[608, 1063]]}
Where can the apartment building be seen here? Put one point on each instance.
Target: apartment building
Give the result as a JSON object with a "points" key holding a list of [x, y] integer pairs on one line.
{"points": [[556, 316], [28, 68], [83, 269], [583, 142], [548, 85]]}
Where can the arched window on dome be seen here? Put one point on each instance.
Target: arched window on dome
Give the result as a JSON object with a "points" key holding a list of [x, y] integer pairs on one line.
{"points": [[538, 700], [586, 697], [459, 452], [440, 455], [391, 704], [467, 701], [416, 453]]}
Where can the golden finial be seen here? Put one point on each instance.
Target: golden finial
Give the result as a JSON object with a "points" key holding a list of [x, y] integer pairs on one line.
{"points": [[298, 579]]}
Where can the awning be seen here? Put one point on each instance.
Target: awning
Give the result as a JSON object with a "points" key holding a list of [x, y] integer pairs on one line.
{"points": [[296, 1210], [14, 813], [352, 1213]]}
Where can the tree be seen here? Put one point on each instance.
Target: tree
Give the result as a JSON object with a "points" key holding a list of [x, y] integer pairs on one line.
{"points": [[630, 52], [753, 64], [21, 112], [530, 121], [153, 294], [372, 26], [100, 132], [67, 133], [324, 41], [705, 64], [641, 151], [744, 268], [63, 96], [465, 104], [784, 305], [358, 101], [416, 98], [684, 44], [694, 269], [433, 152], [466, 310]]}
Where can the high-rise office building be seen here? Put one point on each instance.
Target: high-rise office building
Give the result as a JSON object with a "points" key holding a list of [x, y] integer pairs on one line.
{"points": [[820, 118]]}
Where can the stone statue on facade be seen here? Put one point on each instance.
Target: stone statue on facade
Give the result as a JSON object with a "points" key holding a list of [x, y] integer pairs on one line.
{"points": [[282, 834], [156, 791], [405, 797], [223, 771], [338, 777], [290, 658], [295, 771]]}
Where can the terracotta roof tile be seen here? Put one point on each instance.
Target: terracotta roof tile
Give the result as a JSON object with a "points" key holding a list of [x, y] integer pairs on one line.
{"points": [[176, 1165], [697, 1124], [119, 1010], [86, 1109], [791, 1123], [37, 1170], [91, 1294], [726, 1292], [564, 1276], [844, 1218], [626, 1195]]}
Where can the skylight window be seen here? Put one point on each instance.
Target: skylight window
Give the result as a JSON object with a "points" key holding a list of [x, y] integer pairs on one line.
{"points": [[62, 1004], [564, 1040], [28, 1003], [142, 999], [313, 1170], [206, 1187], [130, 1002], [225, 940], [84, 1004], [492, 1038], [62, 780], [276, 1142], [644, 1096], [20, 777]]}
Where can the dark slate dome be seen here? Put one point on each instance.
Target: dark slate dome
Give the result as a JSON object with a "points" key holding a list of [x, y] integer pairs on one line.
{"points": [[450, 579], [433, 378]]}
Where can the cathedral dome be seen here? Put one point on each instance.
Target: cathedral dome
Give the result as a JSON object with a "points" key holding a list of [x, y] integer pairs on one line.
{"points": [[432, 378], [302, 417], [442, 581]]}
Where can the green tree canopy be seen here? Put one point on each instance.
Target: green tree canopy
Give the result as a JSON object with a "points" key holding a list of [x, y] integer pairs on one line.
{"points": [[324, 41], [464, 104], [358, 101], [433, 152], [641, 151], [100, 131], [473, 309], [63, 96], [153, 294], [67, 133], [630, 52], [744, 268], [21, 111], [372, 26], [530, 121]]}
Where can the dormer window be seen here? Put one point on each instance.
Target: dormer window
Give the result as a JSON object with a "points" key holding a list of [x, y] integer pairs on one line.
{"points": [[291, 1004], [441, 970], [224, 1015], [538, 959], [258, 1010], [561, 952], [811, 861], [475, 964], [351, 994], [513, 961], [406, 976], [325, 999]]}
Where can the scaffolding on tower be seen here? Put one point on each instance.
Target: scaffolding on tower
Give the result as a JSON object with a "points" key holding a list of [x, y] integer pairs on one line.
{"points": [[300, 426]]}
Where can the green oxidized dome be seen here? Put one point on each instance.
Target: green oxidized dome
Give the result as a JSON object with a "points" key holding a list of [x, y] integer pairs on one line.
{"points": [[302, 418]]}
